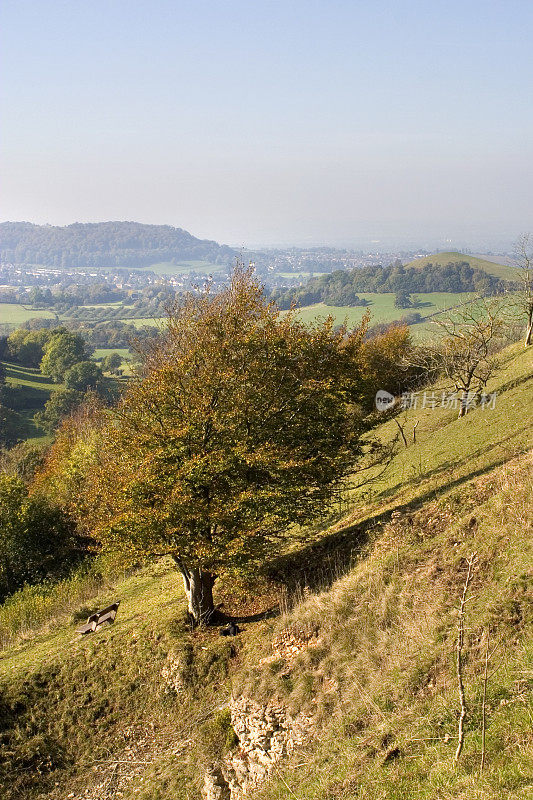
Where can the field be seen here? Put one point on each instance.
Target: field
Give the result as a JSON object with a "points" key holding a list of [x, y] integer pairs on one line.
{"points": [[33, 391], [476, 262], [102, 352], [141, 321], [182, 267], [382, 308], [118, 304], [14, 314]]}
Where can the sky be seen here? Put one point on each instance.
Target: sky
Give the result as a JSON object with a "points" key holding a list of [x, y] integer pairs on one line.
{"points": [[271, 122]]}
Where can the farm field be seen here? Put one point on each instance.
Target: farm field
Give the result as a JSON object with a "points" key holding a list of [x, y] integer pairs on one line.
{"points": [[15, 314], [125, 367], [382, 308], [168, 268], [118, 304], [33, 391], [102, 352], [141, 321]]}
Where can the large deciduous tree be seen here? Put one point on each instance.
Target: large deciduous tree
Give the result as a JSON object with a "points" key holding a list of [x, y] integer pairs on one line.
{"points": [[241, 425], [61, 352]]}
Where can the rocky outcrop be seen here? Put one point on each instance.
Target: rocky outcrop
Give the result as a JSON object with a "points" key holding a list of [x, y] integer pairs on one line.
{"points": [[171, 673], [266, 734]]}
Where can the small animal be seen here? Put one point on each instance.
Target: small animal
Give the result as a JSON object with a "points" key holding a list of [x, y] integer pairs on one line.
{"points": [[230, 630]]}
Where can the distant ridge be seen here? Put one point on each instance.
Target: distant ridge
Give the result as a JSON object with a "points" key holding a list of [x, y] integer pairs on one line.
{"points": [[105, 244], [504, 271]]}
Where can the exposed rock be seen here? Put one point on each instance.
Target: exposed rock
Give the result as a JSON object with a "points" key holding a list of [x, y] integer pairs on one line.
{"points": [[215, 785], [171, 673], [266, 735]]}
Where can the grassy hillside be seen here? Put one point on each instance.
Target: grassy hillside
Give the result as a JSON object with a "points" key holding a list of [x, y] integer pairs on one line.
{"points": [[476, 262], [138, 710], [33, 391]]}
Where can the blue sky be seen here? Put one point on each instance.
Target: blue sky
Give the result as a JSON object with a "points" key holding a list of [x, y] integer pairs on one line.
{"points": [[271, 122]]}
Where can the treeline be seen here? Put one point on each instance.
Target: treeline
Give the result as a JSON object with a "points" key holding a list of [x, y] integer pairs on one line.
{"points": [[108, 333], [341, 288], [105, 244]]}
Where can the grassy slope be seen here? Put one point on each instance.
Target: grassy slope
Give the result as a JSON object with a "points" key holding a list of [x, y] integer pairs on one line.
{"points": [[499, 270], [33, 391], [381, 681]]}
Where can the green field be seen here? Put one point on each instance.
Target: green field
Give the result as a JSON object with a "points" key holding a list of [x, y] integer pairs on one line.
{"points": [[382, 308], [138, 323], [33, 391], [103, 305], [102, 352], [168, 268], [15, 314], [442, 259]]}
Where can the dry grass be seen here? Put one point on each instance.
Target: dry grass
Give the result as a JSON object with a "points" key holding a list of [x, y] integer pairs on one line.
{"points": [[387, 635]]}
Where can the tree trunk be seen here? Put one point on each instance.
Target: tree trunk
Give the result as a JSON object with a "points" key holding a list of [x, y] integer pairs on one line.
{"points": [[198, 584], [529, 333]]}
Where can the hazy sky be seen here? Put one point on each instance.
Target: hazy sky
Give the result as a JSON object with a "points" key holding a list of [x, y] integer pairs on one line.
{"points": [[262, 122]]}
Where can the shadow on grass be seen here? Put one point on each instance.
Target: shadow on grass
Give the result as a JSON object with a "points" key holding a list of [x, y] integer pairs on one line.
{"points": [[319, 564]]}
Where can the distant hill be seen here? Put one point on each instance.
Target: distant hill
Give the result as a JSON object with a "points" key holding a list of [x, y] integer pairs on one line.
{"points": [[430, 274], [504, 271], [105, 244]]}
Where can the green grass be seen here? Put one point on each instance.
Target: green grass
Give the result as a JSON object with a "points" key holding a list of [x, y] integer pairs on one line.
{"points": [[118, 304], [33, 390], [168, 268], [387, 640], [450, 450], [382, 308], [141, 321], [102, 352], [14, 314], [380, 683], [476, 262]]}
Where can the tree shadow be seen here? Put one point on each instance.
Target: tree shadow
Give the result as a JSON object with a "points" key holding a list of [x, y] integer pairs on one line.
{"points": [[317, 565]]}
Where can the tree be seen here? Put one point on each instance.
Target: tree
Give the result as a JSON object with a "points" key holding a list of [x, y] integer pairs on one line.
{"points": [[112, 363], [62, 403], [382, 364], [402, 299], [524, 252], [9, 426], [464, 353], [83, 375], [27, 347], [241, 425], [36, 539], [63, 350]]}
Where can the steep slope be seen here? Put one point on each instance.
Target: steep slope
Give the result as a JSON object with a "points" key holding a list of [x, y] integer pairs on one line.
{"points": [[353, 690]]}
